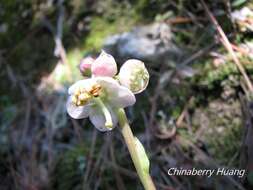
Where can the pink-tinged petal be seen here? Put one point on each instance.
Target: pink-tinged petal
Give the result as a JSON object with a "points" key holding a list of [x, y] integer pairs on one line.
{"points": [[134, 75], [77, 112], [85, 65], [97, 118], [117, 95], [86, 84], [104, 65]]}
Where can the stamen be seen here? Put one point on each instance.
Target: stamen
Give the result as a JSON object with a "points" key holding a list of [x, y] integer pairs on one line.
{"points": [[95, 90], [81, 96]]}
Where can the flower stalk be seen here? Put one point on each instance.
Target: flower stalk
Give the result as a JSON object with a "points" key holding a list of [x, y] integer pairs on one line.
{"points": [[140, 164]]}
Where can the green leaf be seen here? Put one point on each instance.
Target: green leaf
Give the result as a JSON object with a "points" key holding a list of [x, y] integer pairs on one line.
{"points": [[238, 3]]}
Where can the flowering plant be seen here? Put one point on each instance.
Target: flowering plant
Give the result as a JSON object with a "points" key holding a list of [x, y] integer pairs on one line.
{"points": [[103, 96]]}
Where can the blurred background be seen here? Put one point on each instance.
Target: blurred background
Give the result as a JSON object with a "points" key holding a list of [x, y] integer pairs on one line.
{"points": [[196, 112]]}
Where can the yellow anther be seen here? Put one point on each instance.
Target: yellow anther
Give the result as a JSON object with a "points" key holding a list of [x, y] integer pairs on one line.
{"points": [[95, 91], [81, 96], [84, 96], [74, 99]]}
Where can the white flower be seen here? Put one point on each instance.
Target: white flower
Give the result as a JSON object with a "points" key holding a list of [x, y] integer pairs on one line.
{"points": [[134, 75], [104, 65], [98, 98]]}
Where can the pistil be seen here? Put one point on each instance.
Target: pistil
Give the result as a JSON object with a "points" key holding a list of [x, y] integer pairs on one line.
{"points": [[106, 112]]}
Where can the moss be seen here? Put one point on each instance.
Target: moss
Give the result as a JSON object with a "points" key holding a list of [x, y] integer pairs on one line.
{"points": [[212, 78], [100, 29], [113, 17]]}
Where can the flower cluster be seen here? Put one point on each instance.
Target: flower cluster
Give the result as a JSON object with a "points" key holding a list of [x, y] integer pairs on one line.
{"points": [[104, 92]]}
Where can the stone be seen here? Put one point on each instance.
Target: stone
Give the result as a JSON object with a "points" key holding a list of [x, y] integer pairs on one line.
{"points": [[152, 44]]}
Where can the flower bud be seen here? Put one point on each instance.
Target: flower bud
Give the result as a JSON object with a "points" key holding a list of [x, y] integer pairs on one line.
{"points": [[85, 66], [142, 155], [134, 75], [104, 65]]}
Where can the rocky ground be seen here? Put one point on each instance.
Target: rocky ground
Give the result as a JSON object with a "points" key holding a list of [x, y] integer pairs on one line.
{"points": [[196, 112]]}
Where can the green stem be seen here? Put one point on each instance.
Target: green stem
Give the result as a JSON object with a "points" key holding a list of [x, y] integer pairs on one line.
{"points": [[106, 112], [130, 141]]}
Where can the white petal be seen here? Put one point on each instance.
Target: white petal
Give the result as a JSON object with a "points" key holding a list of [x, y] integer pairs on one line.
{"points": [[86, 84], [77, 112], [98, 119], [108, 80], [123, 97], [117, 95]]}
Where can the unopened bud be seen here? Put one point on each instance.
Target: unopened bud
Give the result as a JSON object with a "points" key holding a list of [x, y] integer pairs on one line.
{"points": [[104, 65], [85, 66]]}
